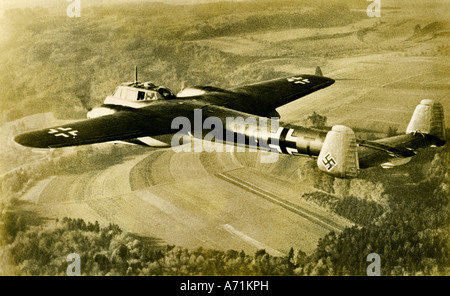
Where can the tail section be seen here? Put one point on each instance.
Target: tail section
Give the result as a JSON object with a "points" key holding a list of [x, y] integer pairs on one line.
{"points": [[428, 119], [339, 154]]}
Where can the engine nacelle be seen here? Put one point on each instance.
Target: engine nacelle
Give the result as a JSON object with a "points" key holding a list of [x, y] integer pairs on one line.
{"points": [[199, 90], [100, 111], [339, 154]]}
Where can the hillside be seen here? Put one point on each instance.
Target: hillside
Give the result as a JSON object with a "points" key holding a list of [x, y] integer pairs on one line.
{"points": [[55, 63]]}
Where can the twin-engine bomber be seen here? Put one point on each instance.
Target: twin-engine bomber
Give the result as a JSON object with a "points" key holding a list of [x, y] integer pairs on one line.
{"points": [[143, 113]]}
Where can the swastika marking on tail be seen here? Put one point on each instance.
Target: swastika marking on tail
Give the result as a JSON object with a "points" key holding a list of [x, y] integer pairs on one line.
{"points": [[329, 162]]}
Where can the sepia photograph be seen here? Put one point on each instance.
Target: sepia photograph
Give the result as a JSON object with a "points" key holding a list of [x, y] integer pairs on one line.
{"points": [[224, 138]]}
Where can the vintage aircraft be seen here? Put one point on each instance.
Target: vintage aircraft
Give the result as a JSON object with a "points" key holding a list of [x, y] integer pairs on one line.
{"points": [[143, 113]]}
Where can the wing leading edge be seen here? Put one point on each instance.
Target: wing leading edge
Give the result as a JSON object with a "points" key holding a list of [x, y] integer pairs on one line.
{"points": [[123, 125], [120, 126], [272, 94]]}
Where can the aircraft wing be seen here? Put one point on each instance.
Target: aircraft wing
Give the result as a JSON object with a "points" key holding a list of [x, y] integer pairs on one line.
{"points": [[123, 125], [271, 94]]}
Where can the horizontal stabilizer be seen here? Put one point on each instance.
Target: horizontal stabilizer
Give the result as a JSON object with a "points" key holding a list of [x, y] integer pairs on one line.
{"points": [[339, 155], [394, 151]]}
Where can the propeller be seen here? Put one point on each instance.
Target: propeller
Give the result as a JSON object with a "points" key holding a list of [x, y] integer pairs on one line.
{"points": [[86, 103], [183, 85]]}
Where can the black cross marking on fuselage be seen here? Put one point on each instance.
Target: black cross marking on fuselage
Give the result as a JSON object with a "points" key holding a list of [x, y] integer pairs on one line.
{"points": [[330, 163]]}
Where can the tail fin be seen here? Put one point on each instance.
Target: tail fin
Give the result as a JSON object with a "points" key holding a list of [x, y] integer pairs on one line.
{"points": [[428, 118], [339, 154]]}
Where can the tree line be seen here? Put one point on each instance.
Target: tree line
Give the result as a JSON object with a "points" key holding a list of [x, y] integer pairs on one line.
{"points": [[411, 236], [39, 250]]}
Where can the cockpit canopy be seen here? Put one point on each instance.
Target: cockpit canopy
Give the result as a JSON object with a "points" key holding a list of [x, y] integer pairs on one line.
{"points": [[147, 91]]}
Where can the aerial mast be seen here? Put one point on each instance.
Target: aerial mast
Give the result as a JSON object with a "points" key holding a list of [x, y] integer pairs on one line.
{"points": [[135, 75]]}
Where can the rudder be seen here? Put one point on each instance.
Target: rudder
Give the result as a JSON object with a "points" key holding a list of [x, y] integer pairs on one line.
{"points": [[428, 118], [339, 154]]}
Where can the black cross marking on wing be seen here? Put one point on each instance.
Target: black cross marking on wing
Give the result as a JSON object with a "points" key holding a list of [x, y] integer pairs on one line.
{"points": [[60, 132], [298, 80]]}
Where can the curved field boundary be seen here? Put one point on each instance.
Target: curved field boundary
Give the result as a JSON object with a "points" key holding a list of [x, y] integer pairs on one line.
{"points": [[301, 211]]}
